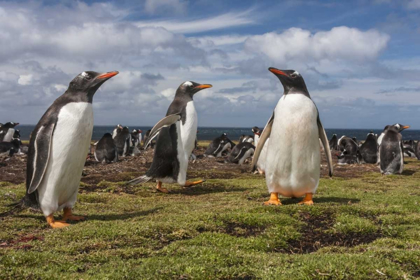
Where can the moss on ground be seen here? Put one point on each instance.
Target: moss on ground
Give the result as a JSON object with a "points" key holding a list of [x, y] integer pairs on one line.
{"points": [[360, 228]]}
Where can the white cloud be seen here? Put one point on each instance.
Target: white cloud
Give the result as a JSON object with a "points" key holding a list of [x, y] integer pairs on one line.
{"points": [[25, 79], [340, 43], [223, 21]]}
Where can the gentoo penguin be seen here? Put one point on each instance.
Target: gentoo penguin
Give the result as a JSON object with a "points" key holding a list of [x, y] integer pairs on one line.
{"points": [[247, 138], [135, 141], [293, 154], [398, 126], [369, 149], [58, 149], [116, 129], [7, 131], [241, 152], [417, 149], [122, 140], [348, 145], [391, 151], [344, 158], [334, 143], [11, 147], [176, 134], [261, 161], [218, 146], [106, 151], [16, 134]]}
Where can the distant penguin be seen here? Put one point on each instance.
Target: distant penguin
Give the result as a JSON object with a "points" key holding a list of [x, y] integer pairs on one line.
{"points": [[248, 138], [218, 146], [58, 149], [417, 149], [16, 134], [409, 151], [7, 131], [262, 157], [241, 152], [135, 141], [369, 149], [348, 145], [391, 151], [175, 141], [344, 159], [10, 148], [398, 126], [106, 150], [122, 140], [293, 154], [116, 129], [334, 143]]}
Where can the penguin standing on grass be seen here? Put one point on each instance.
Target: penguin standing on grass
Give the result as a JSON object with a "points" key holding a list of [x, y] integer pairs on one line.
{"points": [[106, 150], [58, 149], [176, 134], [391, 151], [293, 153]]}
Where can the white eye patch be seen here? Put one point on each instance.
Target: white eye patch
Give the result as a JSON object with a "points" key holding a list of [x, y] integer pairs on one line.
{"points": [[188, 83], [296, 73], [84, 74]]}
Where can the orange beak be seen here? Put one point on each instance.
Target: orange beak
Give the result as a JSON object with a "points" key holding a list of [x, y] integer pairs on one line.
{"points": [[406, 126], [204, 86], [277, 71], [108, 75]]}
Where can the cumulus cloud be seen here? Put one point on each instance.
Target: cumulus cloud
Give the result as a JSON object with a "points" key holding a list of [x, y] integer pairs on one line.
{"points": [[340, 43]]}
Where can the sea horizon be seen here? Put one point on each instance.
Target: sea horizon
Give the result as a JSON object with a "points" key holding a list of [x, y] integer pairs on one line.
{"points": [[210, 132]]}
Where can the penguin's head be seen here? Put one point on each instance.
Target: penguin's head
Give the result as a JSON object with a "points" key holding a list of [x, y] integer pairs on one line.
{"points": [[256, 130], [290, 79], [88, 82], [189, 88], [401, 127], [10, 124]]}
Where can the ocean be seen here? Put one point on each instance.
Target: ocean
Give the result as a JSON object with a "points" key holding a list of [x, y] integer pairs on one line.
{"points": [[209, 133]]}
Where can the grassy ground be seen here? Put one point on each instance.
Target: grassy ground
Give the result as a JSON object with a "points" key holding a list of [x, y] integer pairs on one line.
{"points": [[359, 228]]}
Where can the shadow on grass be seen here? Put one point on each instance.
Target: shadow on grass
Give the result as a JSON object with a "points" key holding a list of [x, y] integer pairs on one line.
{"points": [[321, 200], [408, 172], [105, 217], [206, 189]]}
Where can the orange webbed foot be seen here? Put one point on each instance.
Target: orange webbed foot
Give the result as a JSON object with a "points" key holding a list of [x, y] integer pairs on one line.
{"points": [[274, 200], [190, 184], [307, 200], [56, 224]]}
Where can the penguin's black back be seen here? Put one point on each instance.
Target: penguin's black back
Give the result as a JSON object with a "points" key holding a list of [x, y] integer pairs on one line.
{"points": [[121, 140], [165, 160], [240, 150], [369, 149], [106, 149], [391, 152]]}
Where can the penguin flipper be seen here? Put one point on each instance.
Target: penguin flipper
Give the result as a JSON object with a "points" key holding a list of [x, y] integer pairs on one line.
{"points": [[241, 153], [325, 143], [165, 122], [140, 180], [42, 146], [264, 136]]}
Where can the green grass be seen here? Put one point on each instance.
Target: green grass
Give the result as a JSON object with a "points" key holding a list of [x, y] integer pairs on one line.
{"points": [[360, 228]]}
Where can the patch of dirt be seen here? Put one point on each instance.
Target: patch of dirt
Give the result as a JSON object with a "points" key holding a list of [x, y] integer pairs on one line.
{"points": [[315, 236], [241, 230], [21, 242]]}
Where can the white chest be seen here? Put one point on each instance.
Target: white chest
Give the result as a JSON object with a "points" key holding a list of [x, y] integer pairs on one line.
{"points": [[70, 144], [189, 128]]}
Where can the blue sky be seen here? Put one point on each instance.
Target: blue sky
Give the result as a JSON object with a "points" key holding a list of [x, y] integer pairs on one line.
{"points": [[360, 59]]}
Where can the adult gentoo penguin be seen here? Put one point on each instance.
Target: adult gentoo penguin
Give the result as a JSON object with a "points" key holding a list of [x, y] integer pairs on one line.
{"points": [[398, 126], [261, 161], [391, 151], [106, 150], [175, 141], [122, 140], [369, 149], [293, 153], [58, 148], [218, 146], [7, 131], [241, 152]]}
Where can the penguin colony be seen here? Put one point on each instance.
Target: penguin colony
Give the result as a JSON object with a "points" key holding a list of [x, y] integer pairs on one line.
{"points": [[286, 152]]}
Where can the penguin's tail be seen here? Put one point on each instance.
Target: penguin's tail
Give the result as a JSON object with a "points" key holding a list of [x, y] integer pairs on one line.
{"points": [[140, 180], [19, 206]]}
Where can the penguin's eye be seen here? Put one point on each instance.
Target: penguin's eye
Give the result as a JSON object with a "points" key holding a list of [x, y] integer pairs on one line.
{"points": [[293, 75]]}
